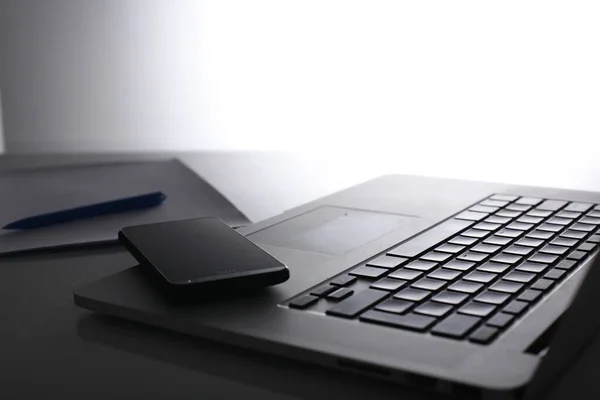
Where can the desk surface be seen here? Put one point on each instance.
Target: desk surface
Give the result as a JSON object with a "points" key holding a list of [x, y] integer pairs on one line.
{"points": [[49, 346]]}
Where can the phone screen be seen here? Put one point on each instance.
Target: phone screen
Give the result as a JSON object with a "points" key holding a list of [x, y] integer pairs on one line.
{"points": [[196, 250]]}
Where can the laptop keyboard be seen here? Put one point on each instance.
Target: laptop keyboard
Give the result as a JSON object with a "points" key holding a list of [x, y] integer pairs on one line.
{"points": [[470, 277]]}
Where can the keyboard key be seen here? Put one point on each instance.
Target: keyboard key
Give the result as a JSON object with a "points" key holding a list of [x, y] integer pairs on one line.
{"points": [[543, 284], [493, 267], [530, 296], [449, 297], [552, 249], [481, 277], [477, 309], [391, 285], [530, 201], [344, 280], [552, 205], [450, 248], [578, 207], [484, 334], [582, 227], [500, 320], [463, 240], [568, 214], [394, 306], [535, 268], [573, 234], [357, 303], [430, 238], [587, 247], [486, 248], [594, 239], [412, 294], [421, 265], [518, 276], [494, 203], [459, 265], [508, 214], [550, 227], [465, 287], [519, 250], [492, 297], [340, 294], [590, 220], [455, 326], [498, 240], [433, 309], [507, 258], [444, 274], [436, 256], [520, 226], [577, 255], [543, 235], [566, 265], [530, 242], [495, 219], [483, 209], [528, 219], [387, 262], [506, 287], [303, 302], [539, 213], [517, 207], [473, 257], [511, 233], [559, 221], [323, 290], [555, 274], [471, 216], [405, 274], [516, 307], [409, 321], [486, 226], [504, 197], [563, 241], [368, 272], [475, 233], [429, 284], [543, 258]]}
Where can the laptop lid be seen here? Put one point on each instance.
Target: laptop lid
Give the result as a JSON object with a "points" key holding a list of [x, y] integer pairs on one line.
{"points": [[577, 327]]}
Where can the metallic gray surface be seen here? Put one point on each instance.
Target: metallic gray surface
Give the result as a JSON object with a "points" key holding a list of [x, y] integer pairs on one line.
{"points": [[261, 324]]}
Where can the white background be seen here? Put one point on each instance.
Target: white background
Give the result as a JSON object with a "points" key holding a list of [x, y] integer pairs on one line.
{"points": [[504, 91]]}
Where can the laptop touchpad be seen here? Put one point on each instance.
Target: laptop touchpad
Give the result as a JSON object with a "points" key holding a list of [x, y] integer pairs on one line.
{"points": [[330, 230]]}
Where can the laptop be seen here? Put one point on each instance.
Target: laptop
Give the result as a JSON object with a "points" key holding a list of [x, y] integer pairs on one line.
{"points": [[471, 289]]}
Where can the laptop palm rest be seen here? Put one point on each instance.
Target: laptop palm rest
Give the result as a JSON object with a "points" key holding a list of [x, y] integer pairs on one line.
{"points": [[330, 230]]}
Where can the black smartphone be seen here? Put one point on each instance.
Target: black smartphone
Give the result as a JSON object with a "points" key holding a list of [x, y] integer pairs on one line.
{"points": [[201, 256]]}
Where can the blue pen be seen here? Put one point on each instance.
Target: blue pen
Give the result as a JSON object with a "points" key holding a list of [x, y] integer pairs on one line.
{"points": [[93, 210]]}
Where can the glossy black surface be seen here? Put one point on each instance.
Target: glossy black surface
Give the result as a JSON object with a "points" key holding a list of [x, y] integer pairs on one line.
{"points": [[200, 252]]}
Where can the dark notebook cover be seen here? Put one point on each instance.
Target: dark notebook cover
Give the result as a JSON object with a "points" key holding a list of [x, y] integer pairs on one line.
{"points": [[32, 192]]}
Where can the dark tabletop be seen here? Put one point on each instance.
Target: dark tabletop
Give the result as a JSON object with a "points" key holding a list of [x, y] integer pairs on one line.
{"points": [[50, 348]]}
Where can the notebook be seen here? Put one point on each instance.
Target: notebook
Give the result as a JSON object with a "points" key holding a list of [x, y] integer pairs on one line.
{"points": [[37, 191]]}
